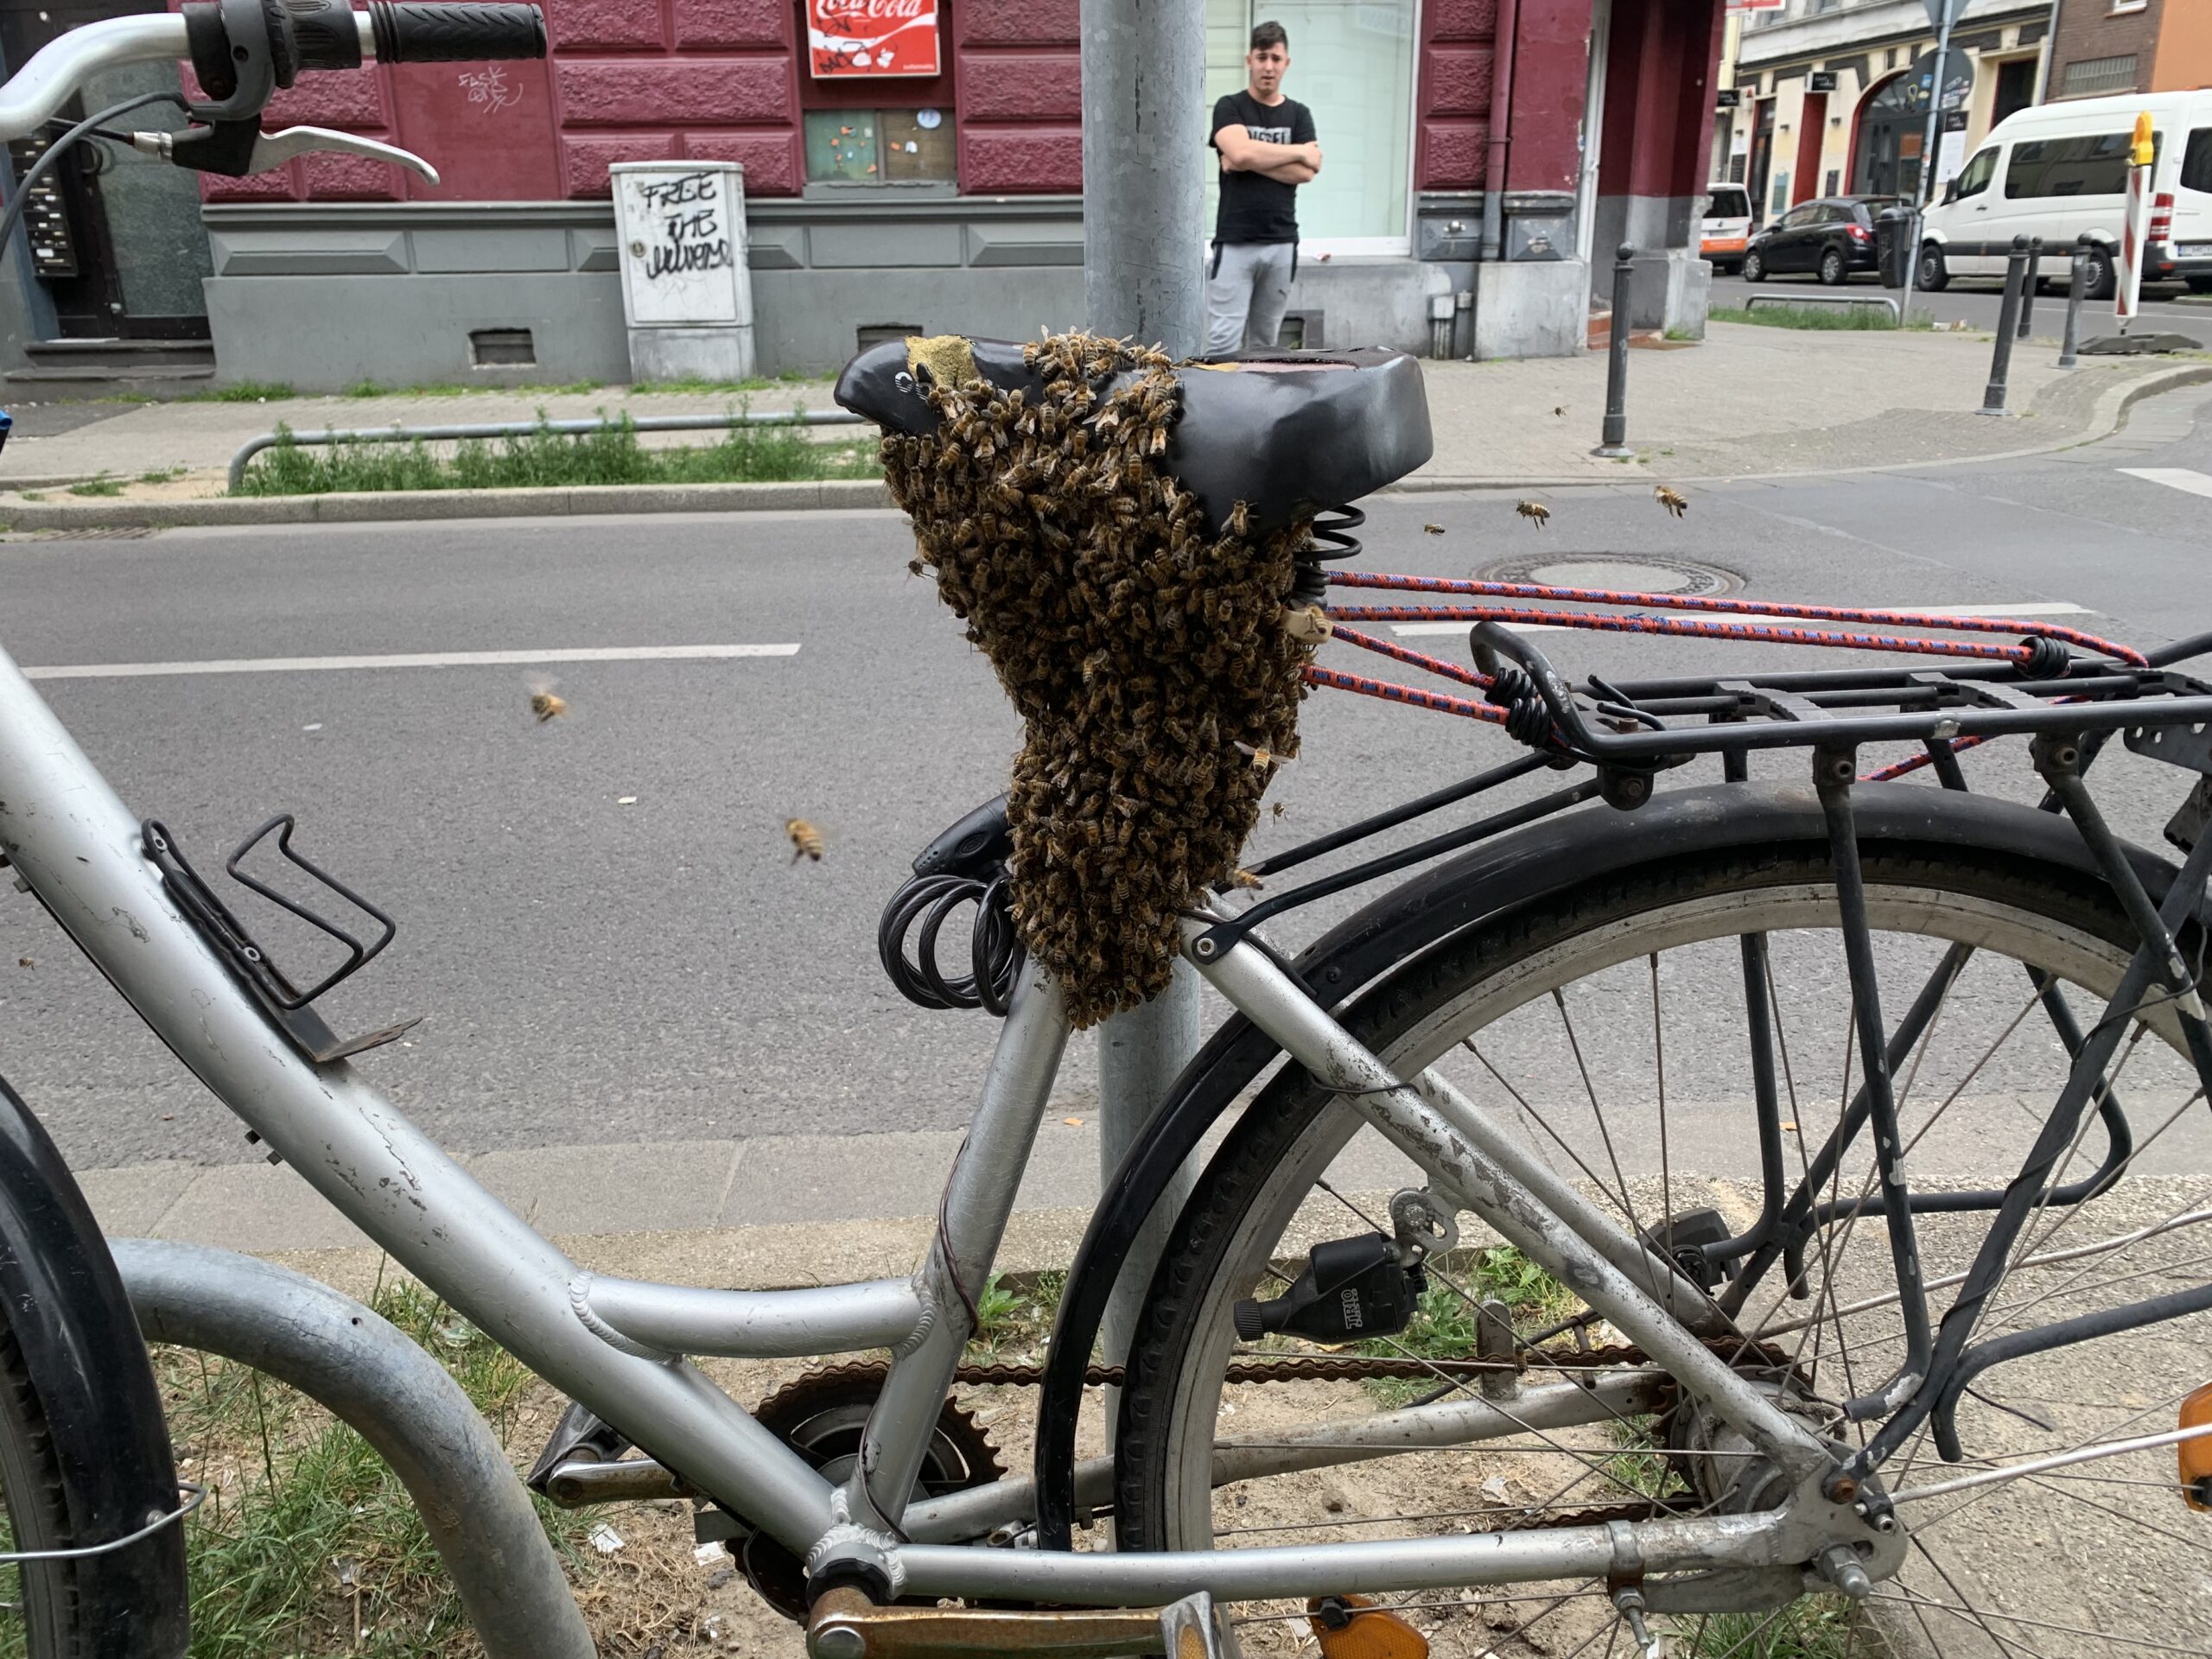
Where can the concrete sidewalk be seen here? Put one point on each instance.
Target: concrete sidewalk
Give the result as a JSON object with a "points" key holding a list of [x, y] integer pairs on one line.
{"points": [[1744, 403]]}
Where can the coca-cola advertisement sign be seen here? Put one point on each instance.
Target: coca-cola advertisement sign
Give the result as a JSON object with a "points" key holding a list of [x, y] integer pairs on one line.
{"points": [[857, 38]]}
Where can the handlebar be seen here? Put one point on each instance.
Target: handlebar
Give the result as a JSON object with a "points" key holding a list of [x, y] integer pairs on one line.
{"points": [[243, 49]]}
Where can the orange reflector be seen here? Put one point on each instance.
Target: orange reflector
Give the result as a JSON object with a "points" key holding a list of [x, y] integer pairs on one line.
{"points": [[1353, 1627], [2196, 1454], [1189, 1645]]}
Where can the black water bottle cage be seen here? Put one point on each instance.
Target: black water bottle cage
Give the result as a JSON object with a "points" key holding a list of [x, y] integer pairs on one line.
{"points": [[286, 1004]]}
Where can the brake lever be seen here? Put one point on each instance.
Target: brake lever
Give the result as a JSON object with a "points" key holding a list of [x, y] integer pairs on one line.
{"points": [[236, 148]]}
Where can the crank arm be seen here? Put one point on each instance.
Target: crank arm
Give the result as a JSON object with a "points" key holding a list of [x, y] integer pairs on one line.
{"points": [[238, 149]]}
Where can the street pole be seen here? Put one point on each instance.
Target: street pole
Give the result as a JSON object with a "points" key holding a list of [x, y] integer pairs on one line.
{"points": [[1144, 150], [2077, 284], [1942, 12], [1612, 440], [2020, 271]]}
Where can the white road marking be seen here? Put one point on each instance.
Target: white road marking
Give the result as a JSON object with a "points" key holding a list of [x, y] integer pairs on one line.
{"points": [[407, 659], [2174, 478], [2033, 607]]}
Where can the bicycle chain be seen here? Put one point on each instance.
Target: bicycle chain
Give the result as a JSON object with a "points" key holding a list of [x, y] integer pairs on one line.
{"points": [[1345, 1368]]}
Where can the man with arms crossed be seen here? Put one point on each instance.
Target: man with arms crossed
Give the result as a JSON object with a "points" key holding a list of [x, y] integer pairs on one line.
{"points": [[1268, 149]]}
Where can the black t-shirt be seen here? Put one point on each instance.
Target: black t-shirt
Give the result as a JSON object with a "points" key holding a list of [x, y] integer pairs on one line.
{"points": [[1254, 208]]}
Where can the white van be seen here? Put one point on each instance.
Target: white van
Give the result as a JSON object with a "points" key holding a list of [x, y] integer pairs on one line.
{"points": [[2059, 169]]}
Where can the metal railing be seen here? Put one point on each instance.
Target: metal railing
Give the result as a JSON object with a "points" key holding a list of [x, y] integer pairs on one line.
{"points": [[398, 434]]}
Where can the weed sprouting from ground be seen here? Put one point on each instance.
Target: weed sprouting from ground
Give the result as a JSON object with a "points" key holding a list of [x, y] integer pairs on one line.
{"points": [[1016, 1315], [1443, 1325], [545, 459], [242, 391], [101, 486], [1817, 1627], [307, 1543]]}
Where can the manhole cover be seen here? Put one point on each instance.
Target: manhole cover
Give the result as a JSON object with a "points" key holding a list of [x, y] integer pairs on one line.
{"points": [[1619, 571]]}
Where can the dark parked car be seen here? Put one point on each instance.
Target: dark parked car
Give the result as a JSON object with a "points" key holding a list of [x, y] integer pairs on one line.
{"points": [[1830, 238]]}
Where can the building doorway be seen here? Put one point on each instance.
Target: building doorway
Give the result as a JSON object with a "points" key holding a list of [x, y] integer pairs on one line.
{"points": [[2015, 88], [124, 256]]}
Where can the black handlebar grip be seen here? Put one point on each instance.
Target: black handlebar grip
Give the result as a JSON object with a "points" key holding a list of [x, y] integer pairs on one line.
{"points": [[456, 33]]}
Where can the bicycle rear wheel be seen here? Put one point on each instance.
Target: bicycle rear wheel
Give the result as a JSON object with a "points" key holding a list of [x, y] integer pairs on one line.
{"points": [[1611, 1021]]}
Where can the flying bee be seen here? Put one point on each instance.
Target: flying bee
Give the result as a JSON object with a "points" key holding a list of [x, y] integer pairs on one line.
{"points": [[1434, 530], [1673, 500], [1246, 878], [1535, 512], [544, 703], [805, 839], [1559, 410], [1278, 809]]}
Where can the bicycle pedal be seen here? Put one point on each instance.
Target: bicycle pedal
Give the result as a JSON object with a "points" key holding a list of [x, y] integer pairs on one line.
{"points": [[1194, 1628], [1353, 1627]]}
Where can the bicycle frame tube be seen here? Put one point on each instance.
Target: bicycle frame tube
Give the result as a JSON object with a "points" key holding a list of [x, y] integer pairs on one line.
{"points": [[78, 849]]}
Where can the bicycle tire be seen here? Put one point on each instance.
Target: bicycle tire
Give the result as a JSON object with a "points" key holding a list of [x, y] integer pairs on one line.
{"points": [[1168, 1407], [85, 1453]]}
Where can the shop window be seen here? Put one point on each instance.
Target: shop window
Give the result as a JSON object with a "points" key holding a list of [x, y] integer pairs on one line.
{"points": [[880, 147], [1352, 65]]}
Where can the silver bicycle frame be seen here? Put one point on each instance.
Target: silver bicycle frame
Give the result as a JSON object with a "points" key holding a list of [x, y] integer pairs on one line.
{"points": [[618, 1345]]}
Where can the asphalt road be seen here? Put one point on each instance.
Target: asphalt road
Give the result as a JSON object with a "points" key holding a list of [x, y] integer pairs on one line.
{"points": [[599, 917], [1974, 300]]}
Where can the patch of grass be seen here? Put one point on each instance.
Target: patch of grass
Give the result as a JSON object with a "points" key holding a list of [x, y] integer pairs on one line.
{"points": [[1846, 319], [163, 474], [34, 495], [1679, 332], [1816, 1627], [545, 459], [1014, 1316], [1443, 1325], [307, 1543], [101, 486], [243, 391]]}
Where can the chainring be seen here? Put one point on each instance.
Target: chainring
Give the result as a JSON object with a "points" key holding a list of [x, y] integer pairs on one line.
{"points": [[822, 1416]]}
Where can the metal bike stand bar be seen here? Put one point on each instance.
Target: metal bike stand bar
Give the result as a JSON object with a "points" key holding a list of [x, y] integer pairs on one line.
{"points": [[351, 1361]]}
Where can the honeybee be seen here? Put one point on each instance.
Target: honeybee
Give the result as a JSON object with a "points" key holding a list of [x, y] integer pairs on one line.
{"points": [[1559, 410], [1673, 500], [1246, 878], [544, 703], [1277, 808], [805, 839], [1434, 530], [1535, 512]]}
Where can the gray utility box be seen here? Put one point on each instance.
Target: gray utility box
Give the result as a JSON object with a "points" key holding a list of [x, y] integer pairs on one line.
{"points": [[1539, 224], [687, 289]]}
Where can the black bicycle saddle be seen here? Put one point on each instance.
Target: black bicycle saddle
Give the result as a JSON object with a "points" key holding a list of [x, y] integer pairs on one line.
{"points": [[1287, 433]]}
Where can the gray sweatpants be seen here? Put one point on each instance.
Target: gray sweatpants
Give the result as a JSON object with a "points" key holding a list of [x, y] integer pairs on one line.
{"points": [[1247, 294]]}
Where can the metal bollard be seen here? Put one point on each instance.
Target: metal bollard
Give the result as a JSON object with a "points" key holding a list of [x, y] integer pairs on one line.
{"points": [[1612, 445], [2077, 287], [2028, 288], [2008, 317]]}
